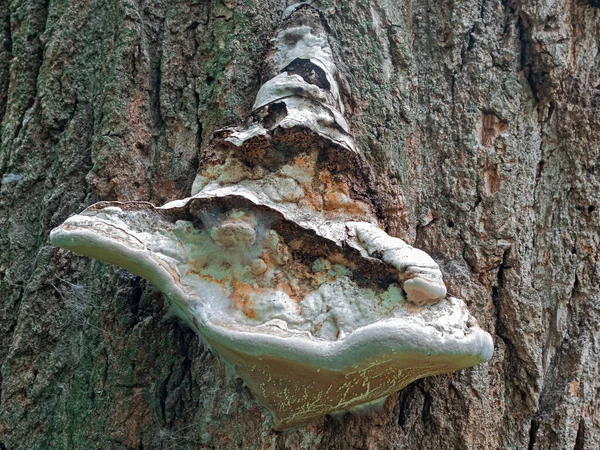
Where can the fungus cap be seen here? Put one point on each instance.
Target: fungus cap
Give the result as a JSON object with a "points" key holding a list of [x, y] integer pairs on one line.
{"points": [[296, 363]]}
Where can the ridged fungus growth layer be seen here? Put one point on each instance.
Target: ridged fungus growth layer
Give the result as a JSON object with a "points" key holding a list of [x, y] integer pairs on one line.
{"points": [[277, 260]]}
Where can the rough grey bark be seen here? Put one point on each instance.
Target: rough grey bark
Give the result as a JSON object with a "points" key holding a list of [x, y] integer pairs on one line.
{"points": [[480, 123]]}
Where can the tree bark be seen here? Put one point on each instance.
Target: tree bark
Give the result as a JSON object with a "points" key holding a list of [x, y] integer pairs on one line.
{"points": [[479, 121]]}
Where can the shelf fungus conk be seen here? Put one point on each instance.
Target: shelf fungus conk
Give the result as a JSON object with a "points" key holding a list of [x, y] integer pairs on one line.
{"points": [[276, 259]]}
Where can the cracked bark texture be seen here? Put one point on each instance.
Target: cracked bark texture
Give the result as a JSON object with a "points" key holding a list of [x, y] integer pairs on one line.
{"points": [[479, 121]]}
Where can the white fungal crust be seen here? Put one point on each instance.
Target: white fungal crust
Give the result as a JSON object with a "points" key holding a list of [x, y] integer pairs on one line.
{"points": [[277, 260], [305, 278]]}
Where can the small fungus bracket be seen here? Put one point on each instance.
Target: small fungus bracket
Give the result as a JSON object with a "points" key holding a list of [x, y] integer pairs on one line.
{"points": [[277, 261]]}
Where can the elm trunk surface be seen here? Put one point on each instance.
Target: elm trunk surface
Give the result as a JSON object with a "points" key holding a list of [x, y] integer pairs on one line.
{"points": [[480, 123]]}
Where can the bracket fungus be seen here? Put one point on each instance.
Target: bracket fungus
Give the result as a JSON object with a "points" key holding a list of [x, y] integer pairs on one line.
{"points": [[277, 261]]}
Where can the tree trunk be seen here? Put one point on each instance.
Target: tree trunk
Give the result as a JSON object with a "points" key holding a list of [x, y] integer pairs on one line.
{"points": [[479, 123]]}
